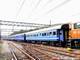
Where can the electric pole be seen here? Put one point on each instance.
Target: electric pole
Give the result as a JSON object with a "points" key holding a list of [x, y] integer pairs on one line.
{"points": [[50, 22]]}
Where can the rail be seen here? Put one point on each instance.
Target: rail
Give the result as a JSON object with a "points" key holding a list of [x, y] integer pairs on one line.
{"points": [[25, 53]]}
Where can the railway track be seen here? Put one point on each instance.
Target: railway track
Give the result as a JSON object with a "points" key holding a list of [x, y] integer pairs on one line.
{"points": [[19, 54], [63, 50], [14, 57], [59, 51], [38, 53], [56, 52]]}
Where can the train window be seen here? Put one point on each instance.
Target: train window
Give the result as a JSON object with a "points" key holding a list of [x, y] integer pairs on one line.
{"points": [[60, 33], [40, 33], [31, 35], [54, 33], [27, 35], [34, 34], [37, 35], [43, 34], [50, 33], [77, 25]]}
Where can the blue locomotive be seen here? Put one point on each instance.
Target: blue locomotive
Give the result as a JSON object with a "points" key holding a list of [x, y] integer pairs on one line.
{"points": [[52, 35]]}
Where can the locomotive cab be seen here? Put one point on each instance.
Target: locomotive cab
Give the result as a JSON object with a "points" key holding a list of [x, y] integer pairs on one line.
{"points": [[71, 35], [74, 35]]}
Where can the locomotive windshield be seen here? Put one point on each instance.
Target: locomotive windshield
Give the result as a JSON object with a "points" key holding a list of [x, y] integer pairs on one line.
{"points": [[77, 25]]}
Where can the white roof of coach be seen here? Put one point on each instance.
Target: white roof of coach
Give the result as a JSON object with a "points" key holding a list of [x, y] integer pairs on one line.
{"points": [[44, 29], [17, 34], [40, 30]]}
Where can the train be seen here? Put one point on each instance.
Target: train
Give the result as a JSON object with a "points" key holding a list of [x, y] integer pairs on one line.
{"points": [[65, 35]]}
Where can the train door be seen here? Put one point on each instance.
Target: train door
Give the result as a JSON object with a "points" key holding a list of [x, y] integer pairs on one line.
{"points": [[65, 28], [25, 37], [61, 37]]}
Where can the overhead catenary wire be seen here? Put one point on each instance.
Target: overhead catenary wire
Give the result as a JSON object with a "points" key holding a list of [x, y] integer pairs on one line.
{"points": [[20, 8], [8, 30], [38, 3], [48, 2], [59, 5], [35, 7], [13, 22]]}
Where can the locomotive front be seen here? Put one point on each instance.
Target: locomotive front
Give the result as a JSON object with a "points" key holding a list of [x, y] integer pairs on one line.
{"points": [[74, 35]]}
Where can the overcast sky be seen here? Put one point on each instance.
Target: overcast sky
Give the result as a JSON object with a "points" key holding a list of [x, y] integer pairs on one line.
{"points": [[40, 11]]}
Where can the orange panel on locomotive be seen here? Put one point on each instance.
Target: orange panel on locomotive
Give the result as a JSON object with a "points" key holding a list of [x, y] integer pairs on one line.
{"points": [[72, 35]]}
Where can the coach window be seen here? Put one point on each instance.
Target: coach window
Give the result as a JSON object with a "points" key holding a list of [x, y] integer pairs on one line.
{"points": [[43, 34], [27, 35], [60, 33], [50, 33], [40, 33], [54, 33], [33, 35], [37, 35]]}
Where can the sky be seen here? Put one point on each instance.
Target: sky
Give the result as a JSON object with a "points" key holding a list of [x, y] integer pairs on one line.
{"points": [[39, 11]]}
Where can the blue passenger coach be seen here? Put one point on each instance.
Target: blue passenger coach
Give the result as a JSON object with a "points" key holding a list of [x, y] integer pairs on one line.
{"points": [[51, 35], [17, 37]]}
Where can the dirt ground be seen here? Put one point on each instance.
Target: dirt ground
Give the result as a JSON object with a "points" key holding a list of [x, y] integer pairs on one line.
{"points": [[3, 51]]}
